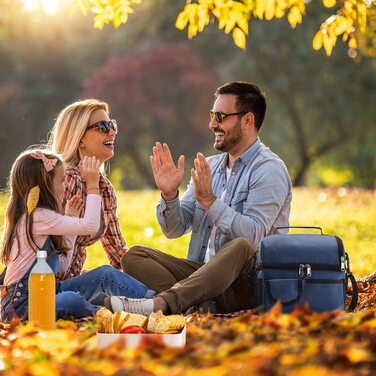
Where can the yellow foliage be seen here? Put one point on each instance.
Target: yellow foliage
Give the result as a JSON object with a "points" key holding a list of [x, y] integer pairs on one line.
{"points": [[239, 37], [329, 3], [236, 14], [317, 41], [352, 16], [295, 16], [270, 9], [352, 43]]}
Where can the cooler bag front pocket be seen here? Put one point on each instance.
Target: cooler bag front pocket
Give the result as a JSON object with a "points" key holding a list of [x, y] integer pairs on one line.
{"points": [[286, 291], [324, 294]]}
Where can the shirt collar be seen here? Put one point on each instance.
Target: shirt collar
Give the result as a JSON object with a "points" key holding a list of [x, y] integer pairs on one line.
{"points": [[250, 152], [244, 158]]}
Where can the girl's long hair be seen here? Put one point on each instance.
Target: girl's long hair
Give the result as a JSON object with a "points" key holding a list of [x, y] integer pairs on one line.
{"points": [[26, 173]]}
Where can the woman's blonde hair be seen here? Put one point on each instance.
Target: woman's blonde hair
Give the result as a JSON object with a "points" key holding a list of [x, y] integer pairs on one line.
{"points": [[70, 127]]}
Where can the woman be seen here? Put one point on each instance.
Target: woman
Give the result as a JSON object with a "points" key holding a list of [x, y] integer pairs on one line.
{"points": [[84, 129]]}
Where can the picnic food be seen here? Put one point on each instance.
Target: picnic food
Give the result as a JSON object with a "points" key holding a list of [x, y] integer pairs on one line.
{"points": [[133, 329], [125, 323]]}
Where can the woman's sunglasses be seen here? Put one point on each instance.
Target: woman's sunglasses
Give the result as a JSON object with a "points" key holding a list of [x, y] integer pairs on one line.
{"points": [[104, 126], [220, 116]]}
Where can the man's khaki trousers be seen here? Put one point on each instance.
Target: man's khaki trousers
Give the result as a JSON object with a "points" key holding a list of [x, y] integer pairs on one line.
{"points": [[184, 283]]}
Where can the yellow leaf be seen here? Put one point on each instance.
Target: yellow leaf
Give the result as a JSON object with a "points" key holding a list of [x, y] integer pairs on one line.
{"points": [[317, 41], [192, 30], [353, 43], [32, 199], [260, 9], [328, 45], [269, 9], [242, 22], [203, 18], [357, 354], [329, 3], [345, 37], [239, 38], [182, 20], [362, 17], [230, 24], [294, 17], [279, 12], [342, 25]]}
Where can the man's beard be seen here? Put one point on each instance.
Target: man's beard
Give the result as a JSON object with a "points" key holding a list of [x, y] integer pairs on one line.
{"points": [[230, 138]]}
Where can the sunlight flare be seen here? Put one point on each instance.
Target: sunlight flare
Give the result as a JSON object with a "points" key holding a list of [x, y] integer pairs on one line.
{"points": [[49, 7]]}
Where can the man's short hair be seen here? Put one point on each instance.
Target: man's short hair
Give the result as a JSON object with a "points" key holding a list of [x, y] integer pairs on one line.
{"points": [[249, 98]]}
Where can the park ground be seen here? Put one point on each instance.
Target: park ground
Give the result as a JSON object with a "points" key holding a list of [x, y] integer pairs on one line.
{"points": [[301, 343]]}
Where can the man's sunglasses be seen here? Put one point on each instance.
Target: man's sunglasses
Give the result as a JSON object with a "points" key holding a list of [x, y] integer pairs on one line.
{"points": [[220, 116], [104, 126]]}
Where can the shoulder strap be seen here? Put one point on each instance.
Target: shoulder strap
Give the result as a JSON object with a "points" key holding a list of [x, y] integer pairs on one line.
{"points": [[354, 298]]}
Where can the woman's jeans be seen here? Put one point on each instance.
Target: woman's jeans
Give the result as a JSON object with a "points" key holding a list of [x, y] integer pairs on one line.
{"points": [[74, 295]]}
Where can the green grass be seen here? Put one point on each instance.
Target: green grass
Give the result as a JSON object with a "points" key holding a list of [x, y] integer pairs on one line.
{"points": [[350, 214]]}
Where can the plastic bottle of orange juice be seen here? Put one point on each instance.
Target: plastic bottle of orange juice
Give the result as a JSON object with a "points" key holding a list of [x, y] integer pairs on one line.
{"points": [[42, 293]]}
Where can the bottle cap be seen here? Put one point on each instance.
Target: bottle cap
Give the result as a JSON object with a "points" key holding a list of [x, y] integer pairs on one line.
{"points": [[42, 254]]}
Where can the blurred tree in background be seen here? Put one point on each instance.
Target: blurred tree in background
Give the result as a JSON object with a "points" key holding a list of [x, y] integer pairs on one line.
{"points": [[160, 86], [161, 93]]}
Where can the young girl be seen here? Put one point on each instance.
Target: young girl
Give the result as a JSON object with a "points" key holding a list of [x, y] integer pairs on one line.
{"points": [[34, 223]]}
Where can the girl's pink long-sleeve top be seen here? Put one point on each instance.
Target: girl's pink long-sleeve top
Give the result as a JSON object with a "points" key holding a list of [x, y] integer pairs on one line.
{"points": [[47, 222]]}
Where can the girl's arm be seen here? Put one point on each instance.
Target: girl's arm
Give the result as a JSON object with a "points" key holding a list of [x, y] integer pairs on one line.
{"points": [[48, 222]]}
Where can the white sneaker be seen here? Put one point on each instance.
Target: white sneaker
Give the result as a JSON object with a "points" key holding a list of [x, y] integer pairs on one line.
{"points": [[121, 303]]}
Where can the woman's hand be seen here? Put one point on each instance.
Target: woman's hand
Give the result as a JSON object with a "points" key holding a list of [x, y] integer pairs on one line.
{"points": [[74, 206], [167, 177], [89, 170]]}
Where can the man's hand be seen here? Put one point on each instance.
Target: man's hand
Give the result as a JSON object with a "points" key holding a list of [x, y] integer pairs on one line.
{"points": [[167, 177], [74, 206], [202, 180]]}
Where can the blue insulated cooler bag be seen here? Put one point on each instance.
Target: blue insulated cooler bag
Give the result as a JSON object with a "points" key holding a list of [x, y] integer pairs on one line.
{"points": [[295, 269]]}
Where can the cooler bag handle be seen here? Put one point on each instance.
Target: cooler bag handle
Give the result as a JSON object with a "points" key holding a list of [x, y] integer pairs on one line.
{"points": [[354, 298], [303, 227]]}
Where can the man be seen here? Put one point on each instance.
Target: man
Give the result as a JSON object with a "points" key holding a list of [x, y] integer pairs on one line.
{"points": [[234, 199]]}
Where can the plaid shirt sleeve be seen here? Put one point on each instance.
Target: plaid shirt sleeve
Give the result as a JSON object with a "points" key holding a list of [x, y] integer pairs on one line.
{"points": [[70, 184], [112, 240]]}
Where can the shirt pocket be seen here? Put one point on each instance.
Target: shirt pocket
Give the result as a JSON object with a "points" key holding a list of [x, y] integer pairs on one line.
{"points": [[238, 201]]}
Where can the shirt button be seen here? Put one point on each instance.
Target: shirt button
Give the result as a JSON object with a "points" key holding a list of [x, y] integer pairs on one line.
{"points": [[15, 299], [18, 293], [20, 285]]}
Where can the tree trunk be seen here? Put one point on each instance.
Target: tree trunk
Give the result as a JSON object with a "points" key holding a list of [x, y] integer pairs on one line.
{"points": [[299, 178]]}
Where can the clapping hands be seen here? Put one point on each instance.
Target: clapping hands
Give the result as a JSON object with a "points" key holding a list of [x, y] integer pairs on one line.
{"points": [[167, 177]]}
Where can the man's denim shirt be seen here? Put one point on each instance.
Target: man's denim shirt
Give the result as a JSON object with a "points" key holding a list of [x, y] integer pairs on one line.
{"points": [[257, 201]]}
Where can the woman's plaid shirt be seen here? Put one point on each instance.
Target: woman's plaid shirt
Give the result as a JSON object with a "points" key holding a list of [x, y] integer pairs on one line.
{"points": [[109, 234]]}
